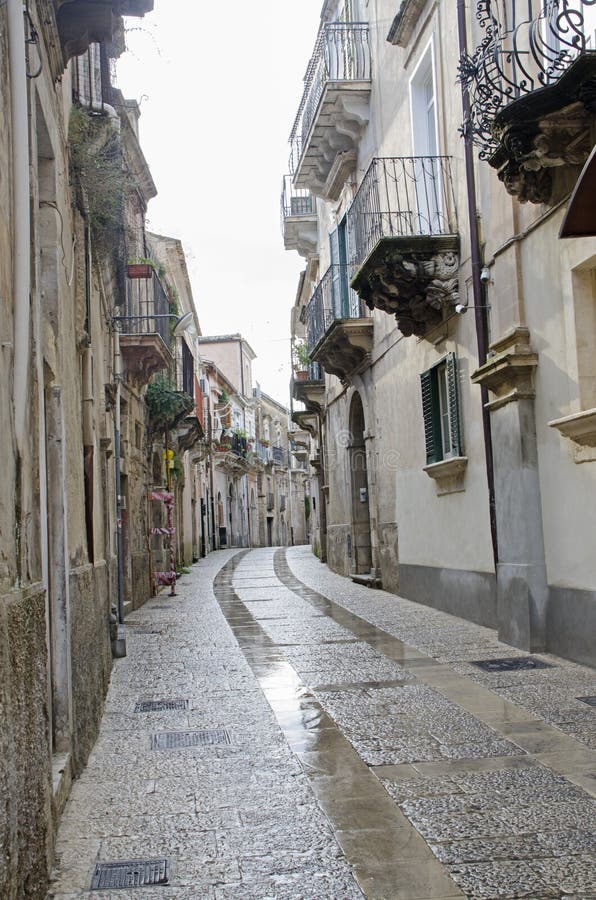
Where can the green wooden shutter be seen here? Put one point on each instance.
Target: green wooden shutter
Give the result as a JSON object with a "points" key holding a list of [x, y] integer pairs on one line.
{"points": [[431, 415], [453, 400]]}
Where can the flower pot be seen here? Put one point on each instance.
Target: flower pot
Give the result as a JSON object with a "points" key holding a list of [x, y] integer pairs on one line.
{"points": [[139, 270], [301, 375]]}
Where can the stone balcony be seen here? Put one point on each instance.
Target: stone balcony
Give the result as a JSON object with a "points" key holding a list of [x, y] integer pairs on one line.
{"points": [[84, 22], [299, 223], [308, 387], [339, 335], [404, 246], [334, 110]]}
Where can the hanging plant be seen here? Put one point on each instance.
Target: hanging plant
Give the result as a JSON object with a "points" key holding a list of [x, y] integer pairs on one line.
{"points": [[167, 406]]}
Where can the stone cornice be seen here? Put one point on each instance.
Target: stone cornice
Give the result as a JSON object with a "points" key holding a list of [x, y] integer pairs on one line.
{"points": [[405, 21], [579, 427]]}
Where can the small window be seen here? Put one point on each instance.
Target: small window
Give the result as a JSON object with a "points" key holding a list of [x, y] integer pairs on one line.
{"points": [[440, 408]]}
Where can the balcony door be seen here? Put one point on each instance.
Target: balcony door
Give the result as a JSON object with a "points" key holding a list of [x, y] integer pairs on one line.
{"points": [[345, 301], [426, 212]]}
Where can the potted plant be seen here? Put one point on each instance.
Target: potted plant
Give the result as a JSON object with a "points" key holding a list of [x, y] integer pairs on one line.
{"points": [[301, 360], [140, 268]]}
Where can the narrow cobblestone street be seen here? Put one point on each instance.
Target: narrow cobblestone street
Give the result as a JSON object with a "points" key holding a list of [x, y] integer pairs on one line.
{"points": [[277, 731]]}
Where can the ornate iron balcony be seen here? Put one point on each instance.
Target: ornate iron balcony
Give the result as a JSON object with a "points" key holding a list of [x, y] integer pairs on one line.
{"points": [[400, 198], [534, 63]]}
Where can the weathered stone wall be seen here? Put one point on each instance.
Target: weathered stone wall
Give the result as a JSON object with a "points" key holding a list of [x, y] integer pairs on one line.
{"points": [[91, 655], [25, 776]]}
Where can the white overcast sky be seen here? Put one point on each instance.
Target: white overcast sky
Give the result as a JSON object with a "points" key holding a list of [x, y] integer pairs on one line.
{"points": [[219, 86]]}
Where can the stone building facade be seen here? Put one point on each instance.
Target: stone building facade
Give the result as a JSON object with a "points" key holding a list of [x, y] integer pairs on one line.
{"points": [[449, 330]]}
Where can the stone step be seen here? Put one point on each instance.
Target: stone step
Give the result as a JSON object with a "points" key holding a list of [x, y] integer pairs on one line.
{"points": [[367, 579]]}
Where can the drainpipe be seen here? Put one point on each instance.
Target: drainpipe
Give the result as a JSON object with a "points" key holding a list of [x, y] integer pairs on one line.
{"points": [[21, 215], [479, 293], [119, 645]]}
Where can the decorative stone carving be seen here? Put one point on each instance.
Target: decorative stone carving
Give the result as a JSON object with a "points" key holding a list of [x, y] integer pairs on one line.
{"points": [[143, 355], [84, 22], [415, 279], [548, 128], [509, 371]]}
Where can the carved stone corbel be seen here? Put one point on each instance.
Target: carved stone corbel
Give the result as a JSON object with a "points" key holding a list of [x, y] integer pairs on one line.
{"points": [[416, 280], [509, 371]]}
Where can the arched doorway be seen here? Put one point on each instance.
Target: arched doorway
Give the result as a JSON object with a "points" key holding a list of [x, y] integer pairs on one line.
{"points": [[361, 537]]}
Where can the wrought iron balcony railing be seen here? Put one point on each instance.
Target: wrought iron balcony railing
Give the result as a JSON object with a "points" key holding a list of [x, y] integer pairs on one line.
{"points": [[278, 455], [295, 202], [91, 78], [341, 53], [147, 308], [401, 197], [527, 50], [315, 372], [331, 301]]}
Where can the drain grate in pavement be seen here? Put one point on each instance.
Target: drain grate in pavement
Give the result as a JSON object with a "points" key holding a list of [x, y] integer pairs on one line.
{"points": [[145, 629], [511, 664], [591, 701], [178, 740], [160, 705], [131, 873]]}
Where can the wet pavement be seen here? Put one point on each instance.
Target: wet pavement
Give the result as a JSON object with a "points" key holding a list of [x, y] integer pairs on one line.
{"points": [[277, 731]]}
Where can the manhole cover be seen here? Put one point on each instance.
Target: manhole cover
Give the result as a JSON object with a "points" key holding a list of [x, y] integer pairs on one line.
{"points": [[177, 740], [591, 701], [160, 705], [131, 873], [511, 664]]}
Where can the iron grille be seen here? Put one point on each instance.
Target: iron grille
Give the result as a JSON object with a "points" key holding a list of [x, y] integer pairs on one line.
{"points": [[160, 705], [131, 873], [332, 300], [526, 46], [341, 53], [511, 664], [91, 82], [400, 197], [180, 740]]}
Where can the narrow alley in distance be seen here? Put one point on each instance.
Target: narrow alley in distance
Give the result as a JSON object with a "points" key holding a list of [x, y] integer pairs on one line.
{"points": [[277, 731]]}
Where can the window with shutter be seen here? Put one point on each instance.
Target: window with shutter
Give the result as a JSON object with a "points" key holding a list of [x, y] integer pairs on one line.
{"points": [[440, 410]]}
